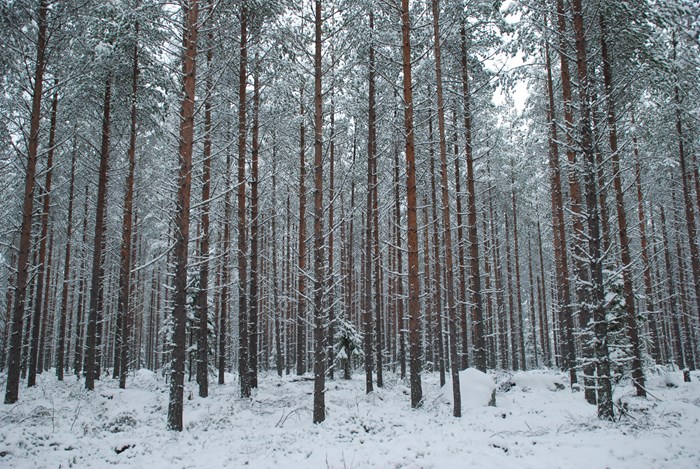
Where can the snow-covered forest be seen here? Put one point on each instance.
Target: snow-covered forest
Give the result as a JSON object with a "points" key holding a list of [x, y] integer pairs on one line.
{"points": [[350, 233]]}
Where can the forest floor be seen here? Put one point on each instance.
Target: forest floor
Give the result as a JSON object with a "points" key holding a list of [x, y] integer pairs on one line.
{"points": [[535, 424]]}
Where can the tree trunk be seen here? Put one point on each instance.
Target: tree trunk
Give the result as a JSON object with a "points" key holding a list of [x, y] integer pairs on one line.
{"points": [[401, 320], [630, 309], [646, 266], [203, 295], [301, 290], [319, 316], [61, 347], [597, 293], [182, 220], [79, 319], [437, 265], [122, 353], [42, 272], [367, 326], [412, 226], [675, 319], [567, 324], [97, 284], [242, 251], [225, 273], [14, 363], [518, 284], [689, 211], [254, 235], [472, 227], [446, 225]]}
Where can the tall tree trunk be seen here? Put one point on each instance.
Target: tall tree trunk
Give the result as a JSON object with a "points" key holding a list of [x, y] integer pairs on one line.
{"points": [[61, 346], [79, 314], [595, 256], [630, 308], [462, 299], [8, 316], [182, 220], [97, 283], [412, 225], [225, 273], [472, 227], [446, 225], [254, 235], [567, 334], [124, 306], [558, 231], [518, 284], [42, 273], [301, 289], [675, 319], [401, 320], [514, 355], [367, 326], [278, 311], [689, 211], [646, 266], [46, 317], [14, 363], [330, 336], [532, 306], [544, 323], [203, 295], [319, 316], [437, 265], [242, 251], [685, 337]]}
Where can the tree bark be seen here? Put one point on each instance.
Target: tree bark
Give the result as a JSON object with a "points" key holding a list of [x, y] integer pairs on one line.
{"points": [[319, 316], [97, 283], [182, 220], [412, 226], [646, 265], [254, 235], [567, 324], [446, 224], [595, 256], [630, 308], [14, 356], [472, 228], [125, 268], [242, 250], [301, 289], [43, 274], [367, 325], [61, 347]]}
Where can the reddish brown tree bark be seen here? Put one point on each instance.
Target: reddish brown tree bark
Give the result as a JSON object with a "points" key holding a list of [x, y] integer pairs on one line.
{"points": [[626, 257], [319, 413], [61, 346], [182, 220], [412, 226], [97, 284], [472, 229], [43, 273], [14, 365], [446, 225], [242, 248]]}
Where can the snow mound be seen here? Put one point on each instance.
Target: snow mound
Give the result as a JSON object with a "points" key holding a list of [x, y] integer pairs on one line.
{"points": [[145, 378], [536, 380], [673, 379], [476, 388]]}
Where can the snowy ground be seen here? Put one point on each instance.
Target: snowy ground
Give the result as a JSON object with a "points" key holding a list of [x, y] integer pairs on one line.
{"points": [[533, 425]]}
